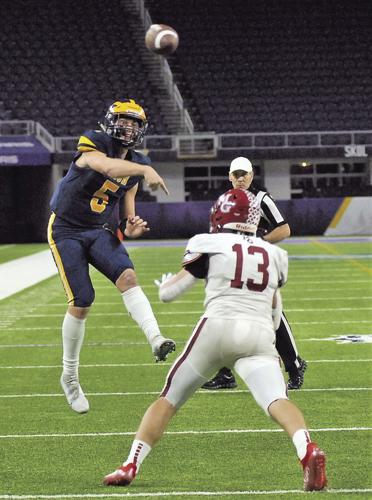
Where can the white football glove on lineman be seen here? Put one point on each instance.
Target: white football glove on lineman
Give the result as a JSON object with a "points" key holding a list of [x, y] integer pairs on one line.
{"points": [[164, 278], [172, 285]]}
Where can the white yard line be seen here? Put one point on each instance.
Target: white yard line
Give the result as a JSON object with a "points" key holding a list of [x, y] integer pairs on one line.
{"points": [[156, 393], [5, 247], [181, 325], [152, 291], [89, 344], [18, 274], [338, 322], [300, 281], [155, 365], [198, 494], [103, 343], [94, 327], [103, 365], [199, 311], [298, 299], [181, 433]]}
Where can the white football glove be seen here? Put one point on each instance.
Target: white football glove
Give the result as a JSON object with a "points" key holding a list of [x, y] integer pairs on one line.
{"points": [[164, 277]]}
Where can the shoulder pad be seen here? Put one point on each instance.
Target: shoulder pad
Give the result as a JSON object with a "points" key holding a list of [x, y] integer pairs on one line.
{"points": [[196, 264], [206, 243], [140, 157], [190, 257], [91, 140]]}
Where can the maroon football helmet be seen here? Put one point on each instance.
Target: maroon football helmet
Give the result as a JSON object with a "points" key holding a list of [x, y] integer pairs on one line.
{"points": [[236, 209]]}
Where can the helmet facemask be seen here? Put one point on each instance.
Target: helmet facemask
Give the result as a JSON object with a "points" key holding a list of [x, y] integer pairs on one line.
{"points": [[126, 121]]}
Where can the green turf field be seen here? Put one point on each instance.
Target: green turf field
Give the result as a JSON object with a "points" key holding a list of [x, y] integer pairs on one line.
{"points": [[12, 251], [220, 444]]}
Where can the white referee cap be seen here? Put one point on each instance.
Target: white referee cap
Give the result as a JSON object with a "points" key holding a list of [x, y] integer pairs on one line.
{"points": [[241, 163]]}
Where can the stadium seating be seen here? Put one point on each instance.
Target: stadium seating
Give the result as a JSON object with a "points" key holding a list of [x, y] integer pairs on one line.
{"points": [[249, 66], [67, 61], [241, 66]]}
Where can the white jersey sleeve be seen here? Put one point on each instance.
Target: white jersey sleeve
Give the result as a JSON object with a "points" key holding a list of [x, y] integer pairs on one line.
{"points": [[282, 265], [196, 258]]}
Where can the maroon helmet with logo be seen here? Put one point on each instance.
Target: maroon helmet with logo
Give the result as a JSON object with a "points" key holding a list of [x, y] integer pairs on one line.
{"points": [[237, 210]]}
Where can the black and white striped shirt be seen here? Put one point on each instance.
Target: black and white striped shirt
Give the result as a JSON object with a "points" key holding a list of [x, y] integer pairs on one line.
{"points": [[271, 216]]}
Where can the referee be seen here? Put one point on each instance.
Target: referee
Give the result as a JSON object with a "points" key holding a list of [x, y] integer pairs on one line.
{"points": [[273, 228]]}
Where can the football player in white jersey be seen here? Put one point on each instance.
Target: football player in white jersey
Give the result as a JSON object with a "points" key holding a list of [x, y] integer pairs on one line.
{"points": [[242, 308], [273, 228]]}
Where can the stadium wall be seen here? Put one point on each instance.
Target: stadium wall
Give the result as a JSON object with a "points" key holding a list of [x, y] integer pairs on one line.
{"points": [[306, 217], [354, 216], [24, 203], [24, 216]]}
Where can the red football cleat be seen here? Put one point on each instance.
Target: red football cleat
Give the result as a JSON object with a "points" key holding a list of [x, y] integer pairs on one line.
{"points": [[122, 476], [314, 464]]}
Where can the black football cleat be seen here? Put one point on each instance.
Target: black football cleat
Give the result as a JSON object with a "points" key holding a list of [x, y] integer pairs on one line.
{"points": [[162, 348], [296, 376], [223, 380]]}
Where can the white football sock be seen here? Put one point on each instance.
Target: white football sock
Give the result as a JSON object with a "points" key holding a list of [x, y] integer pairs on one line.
{"points": [[140, 310], [301, 439], [138, 453], [73, 330]]}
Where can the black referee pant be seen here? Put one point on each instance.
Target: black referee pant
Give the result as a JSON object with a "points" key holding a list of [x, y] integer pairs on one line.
{"points": [[286, 346]]}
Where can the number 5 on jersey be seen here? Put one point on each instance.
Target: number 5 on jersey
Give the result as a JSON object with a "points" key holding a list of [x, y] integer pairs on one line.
{"points": [[100, 198]]}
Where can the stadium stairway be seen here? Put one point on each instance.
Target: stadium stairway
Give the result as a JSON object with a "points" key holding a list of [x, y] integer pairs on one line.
{"points": [[156, 73]]}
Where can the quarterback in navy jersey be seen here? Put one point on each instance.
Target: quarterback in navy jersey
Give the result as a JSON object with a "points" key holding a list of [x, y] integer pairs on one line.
{"points": [[104, 172], [85, 197], [272, 228]]}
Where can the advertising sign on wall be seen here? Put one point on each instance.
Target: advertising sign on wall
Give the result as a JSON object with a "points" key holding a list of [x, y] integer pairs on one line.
{"points": [[23, 151]]}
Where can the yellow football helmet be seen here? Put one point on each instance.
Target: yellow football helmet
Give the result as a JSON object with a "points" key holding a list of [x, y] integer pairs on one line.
{"points": [[115, 124]]}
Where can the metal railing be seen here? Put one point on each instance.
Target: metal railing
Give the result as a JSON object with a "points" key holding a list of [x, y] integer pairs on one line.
{"points": [[208, 144], [45, 137], [28, 127], [185, 119], [280, 140], [17, 127]]}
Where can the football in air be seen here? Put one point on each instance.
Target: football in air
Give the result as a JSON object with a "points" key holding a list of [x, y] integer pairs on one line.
{"points": [[161, 39]]}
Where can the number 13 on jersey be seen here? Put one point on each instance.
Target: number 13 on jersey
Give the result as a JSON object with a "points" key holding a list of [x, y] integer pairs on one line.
{"points": [[262, 268]]}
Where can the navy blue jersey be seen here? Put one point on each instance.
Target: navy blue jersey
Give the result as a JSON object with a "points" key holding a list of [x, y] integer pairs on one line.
{"points": [[85, 197]]}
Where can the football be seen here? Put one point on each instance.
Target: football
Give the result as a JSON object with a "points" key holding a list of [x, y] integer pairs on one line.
{"points": [[161, 39]]}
